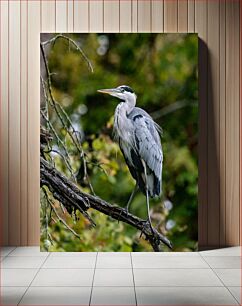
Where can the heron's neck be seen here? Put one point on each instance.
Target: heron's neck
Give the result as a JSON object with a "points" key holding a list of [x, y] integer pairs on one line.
{"points": [[129, 103]]}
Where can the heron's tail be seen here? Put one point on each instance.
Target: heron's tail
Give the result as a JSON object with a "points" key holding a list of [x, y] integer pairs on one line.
{"points": [[154, 185]]}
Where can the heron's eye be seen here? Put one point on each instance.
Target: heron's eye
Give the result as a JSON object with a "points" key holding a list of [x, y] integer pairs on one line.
{"points": [[122, 90]]}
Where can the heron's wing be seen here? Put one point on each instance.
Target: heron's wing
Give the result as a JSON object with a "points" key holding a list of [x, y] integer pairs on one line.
{"points": [[147, 142]]}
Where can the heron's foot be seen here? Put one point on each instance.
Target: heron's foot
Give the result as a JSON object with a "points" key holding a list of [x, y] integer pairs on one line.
{"points": [[125, 211], [147, 222]]}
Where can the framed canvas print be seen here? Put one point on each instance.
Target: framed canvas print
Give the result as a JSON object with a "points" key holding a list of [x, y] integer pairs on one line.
{"points": [[118, 142]]}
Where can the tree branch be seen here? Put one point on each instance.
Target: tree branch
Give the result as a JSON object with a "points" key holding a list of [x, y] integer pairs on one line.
{"points": [[71, 41], [61, 113], [58, 216], [69, 194], [172, 108]]}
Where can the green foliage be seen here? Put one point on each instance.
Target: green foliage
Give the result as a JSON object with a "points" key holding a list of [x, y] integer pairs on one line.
{"points": [[162, 70]]}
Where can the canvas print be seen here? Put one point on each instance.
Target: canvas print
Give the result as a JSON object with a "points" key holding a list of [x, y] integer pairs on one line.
{"points": [[118, 142]]}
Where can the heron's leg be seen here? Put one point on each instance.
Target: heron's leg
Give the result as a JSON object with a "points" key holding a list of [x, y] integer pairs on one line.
{"points": [[131, 197], [130, 200], [147, 197], [148, 207]]}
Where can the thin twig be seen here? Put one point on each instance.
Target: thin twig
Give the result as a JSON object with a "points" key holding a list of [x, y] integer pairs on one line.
{"points": [[59, 141], [58, 216], [56, 105], [51, 239], [60, 111], [66, 161], [71, 41], [172, 108]]}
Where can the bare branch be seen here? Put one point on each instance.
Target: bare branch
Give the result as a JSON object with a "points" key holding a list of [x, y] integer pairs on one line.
{"points": [[57, 107], [69, 194], [63, 189], [58, 216], [55, 38], [60, 142], [62, 115], [172, 108]]}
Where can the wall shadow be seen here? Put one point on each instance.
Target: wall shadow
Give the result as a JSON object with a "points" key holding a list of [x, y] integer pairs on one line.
{"points": [[209, 226]]}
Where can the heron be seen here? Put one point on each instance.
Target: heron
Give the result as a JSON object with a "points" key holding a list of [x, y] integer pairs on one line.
{"points": [[138, 137]]}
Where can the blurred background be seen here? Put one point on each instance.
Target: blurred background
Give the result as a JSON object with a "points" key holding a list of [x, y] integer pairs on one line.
{"points": [[162, 69]]}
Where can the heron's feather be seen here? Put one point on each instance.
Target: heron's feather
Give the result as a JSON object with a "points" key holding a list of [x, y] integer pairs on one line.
{"points": [[148, 147], [139, 140]]}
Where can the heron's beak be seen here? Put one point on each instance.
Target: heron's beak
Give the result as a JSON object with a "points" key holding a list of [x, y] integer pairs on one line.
{"points": [[112, 91]]}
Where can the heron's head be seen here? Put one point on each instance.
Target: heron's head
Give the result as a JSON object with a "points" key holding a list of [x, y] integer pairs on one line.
{"points": [[122, 92]]}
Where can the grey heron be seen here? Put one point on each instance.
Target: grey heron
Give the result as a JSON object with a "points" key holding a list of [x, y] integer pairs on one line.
{"points": [[139, 141]]}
